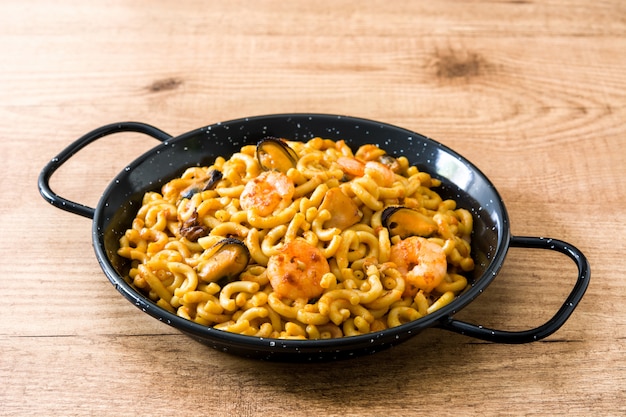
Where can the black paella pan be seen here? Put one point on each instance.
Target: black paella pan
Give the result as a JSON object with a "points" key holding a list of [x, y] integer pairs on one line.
{"points": [[461, 181]]}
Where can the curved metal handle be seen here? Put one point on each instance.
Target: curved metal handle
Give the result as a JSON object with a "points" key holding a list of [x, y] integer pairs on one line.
{"points": [[552, 325], [56, 162]]}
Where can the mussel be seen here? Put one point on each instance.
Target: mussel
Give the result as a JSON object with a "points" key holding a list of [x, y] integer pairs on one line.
{"points": [[226, 260], [344, 212], [274, 154], [390, 162], [404, 222], [192, 229], [208, 183]]}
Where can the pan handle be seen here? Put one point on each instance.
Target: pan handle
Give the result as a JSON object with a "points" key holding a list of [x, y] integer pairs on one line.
{"points": [[552, 325], [71, 150]]}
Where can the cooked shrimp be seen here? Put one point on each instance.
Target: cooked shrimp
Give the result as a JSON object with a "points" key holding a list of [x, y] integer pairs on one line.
{"points": [[267, 192], [297, 270], [380, 173], [421, 262], [351, 166], [369, 152]]}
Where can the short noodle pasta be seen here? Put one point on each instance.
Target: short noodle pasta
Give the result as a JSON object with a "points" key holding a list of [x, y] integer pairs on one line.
{"points": [[297, 244]]}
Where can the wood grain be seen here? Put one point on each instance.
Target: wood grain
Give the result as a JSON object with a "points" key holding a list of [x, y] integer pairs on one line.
{"points": [[532, 92]]}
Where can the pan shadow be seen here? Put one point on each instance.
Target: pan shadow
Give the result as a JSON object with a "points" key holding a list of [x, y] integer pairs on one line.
{"points": [[429, 358]]}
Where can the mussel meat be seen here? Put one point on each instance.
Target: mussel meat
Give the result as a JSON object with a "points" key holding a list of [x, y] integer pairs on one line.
{"points": [[274, 154], [225, 260], [343, 211], [192, 229], [404, 222]]}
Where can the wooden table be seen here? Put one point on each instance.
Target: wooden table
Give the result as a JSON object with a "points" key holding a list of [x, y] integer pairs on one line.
{"points": [[533, 93]]}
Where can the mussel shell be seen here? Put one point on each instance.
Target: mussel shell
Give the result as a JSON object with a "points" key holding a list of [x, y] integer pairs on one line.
{"points": [[274, 154], [229, 257], [404, 222], [214, 177], [206, 184]]}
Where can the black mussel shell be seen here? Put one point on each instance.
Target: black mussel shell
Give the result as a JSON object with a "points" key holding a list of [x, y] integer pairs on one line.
{"points": [[202, 185], [274, 154], [214, 177]]}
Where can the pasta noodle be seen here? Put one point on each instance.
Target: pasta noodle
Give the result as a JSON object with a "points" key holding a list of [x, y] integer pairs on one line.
{"points": [[299, 241]]}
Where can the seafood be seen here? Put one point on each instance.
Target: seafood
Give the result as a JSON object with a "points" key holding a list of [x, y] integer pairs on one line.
{"points": [[404, 222], [379, 172], [422, 263], [343, 211], [192, 229], [269, 191], [226, 259], [274, 154], [203, 184], [296, 271], [351, 166]]}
